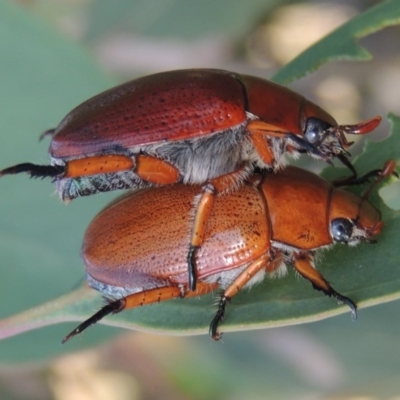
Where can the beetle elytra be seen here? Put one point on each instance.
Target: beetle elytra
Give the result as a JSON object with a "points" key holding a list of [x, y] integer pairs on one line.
{"points": [[269, 222], [200, 126]]}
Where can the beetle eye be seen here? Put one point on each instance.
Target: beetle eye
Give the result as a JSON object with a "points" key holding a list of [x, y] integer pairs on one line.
{"points": [[315, 131], [341, 230]]}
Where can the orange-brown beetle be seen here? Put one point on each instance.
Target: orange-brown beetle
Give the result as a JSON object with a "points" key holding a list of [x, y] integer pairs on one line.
{"points": [[271, 221], [199, 126]]}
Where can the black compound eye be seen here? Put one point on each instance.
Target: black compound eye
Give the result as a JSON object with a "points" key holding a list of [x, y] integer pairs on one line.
{"points": [[341, 230], [316, 130]]}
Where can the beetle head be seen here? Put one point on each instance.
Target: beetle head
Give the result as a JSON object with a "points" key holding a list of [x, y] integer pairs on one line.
{"points": [[353, 218], [330, 138]]}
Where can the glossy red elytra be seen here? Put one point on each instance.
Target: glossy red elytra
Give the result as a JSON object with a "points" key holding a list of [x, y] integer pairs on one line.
{"points": [[199, 126]]}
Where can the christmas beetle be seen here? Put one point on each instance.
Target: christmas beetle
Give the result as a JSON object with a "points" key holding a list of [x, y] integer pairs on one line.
{"points": [[199, 126], [270, 221]]}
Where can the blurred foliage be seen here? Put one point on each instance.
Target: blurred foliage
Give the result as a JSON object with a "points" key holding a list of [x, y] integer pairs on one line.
{"points": [[342, 44], [159, 18]]}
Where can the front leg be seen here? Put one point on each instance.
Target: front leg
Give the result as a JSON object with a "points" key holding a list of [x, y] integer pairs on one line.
{"points": [[261, 131], [303, 263]]}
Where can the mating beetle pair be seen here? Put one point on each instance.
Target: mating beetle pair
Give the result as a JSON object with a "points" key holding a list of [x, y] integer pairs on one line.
{"points": [[207, 127], [270, 221]]}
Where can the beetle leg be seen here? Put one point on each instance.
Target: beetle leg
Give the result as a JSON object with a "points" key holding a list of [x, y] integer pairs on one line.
{"points": [[378, 174], [233, 289], [220, 184], [97, 165], [257, 127], [148, 168], [140, 299], [348, 180], [154, 170], [35, 171], [259, 130], [112, 307], [303, 265], [308, 147], [219, 316], [387, 170], [75, 168], [354, 179], [199, 227]]}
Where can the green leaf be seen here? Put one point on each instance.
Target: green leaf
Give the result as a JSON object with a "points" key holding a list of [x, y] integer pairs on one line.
{"points": [[368, 274], [342, 44], [44, 76]]}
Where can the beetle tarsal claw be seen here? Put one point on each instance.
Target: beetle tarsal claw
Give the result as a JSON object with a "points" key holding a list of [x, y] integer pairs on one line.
{"points": [[350, 303], [219, 316]]}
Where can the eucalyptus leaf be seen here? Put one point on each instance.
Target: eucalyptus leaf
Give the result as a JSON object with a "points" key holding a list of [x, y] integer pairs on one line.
{"points": [[43, 76], [342, 43], [368, 274]]}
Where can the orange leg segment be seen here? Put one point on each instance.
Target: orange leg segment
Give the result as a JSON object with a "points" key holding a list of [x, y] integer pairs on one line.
{"points": [[97, 165], [258, 132], [154, 170], [140, 299], [150, 169], [263, 128], [234, 288], [303, 265], [165, 293], [220, 184]]}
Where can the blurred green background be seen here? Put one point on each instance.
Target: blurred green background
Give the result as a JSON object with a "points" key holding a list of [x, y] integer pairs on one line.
{"points": [[55, 54]]}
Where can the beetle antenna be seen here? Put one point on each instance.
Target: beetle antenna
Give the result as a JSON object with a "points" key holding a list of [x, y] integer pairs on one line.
{"points": [[35, 171], [349, 180], [358, 129], [112, 307]]}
